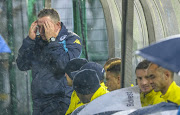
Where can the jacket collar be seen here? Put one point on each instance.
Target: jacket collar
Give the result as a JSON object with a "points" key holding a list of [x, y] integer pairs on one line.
{"points": [[150, 94], [63, 31], [168, 93], [101, 91]]}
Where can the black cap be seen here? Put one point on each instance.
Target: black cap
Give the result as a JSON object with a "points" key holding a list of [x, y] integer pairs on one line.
{"points": [[96, 67], [74, 65], [86, 82]]}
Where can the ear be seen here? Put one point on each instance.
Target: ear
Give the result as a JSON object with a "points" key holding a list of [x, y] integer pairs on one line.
{"points": [[58, 27], [167, 74], [119, 79], [58, 24]]}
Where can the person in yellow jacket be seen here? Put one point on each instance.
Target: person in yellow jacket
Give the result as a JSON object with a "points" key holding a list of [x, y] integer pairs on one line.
{"points": [[86, 83], [162, 80], [150, 98], [71, 69], [147, 96], [75, 101], [113, 73]]}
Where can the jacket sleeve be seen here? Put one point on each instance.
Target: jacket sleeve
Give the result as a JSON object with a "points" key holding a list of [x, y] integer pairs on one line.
{"points": [[72, 105], [59, 53], [25, 54]]}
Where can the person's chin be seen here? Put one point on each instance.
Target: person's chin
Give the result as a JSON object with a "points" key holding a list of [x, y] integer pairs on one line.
{"points": [[85, 101], [109, 89], [146, 90], [156, 90]]}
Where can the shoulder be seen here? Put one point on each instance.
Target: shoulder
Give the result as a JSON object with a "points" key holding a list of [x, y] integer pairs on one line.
{"points": [[74, 95], [72, 34], [176, 86], [73, 38], [69, 36]]}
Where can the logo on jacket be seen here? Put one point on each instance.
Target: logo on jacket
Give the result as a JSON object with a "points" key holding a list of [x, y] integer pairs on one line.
{"points": [[77, 41], [62, 37]]}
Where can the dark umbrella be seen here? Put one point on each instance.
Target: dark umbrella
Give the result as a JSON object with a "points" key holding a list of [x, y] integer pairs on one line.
{"points": [[165, 53], [3, 46]]}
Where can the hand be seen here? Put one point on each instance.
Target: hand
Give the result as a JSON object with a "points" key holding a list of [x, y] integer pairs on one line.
{"points": [[50, 30], [33, 30]]}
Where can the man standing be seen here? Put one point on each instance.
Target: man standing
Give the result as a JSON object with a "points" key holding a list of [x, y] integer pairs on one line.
{"points": [[47, 55], [148, 96], [161, 79]]}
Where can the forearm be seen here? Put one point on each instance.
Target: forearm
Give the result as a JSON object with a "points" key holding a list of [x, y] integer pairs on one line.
{"points": [[58, 57]]}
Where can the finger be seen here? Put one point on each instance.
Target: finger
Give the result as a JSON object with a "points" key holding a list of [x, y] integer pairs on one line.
{"points": [[45, 26], [35, 29], [33, 25], [49, 25], [35, 22]]}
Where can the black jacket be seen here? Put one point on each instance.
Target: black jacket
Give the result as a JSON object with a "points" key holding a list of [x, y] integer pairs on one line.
{"points": [[47, 62]]}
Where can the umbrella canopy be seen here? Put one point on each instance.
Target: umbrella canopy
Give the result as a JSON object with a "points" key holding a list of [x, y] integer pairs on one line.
{"points": [[3, 46], [158, 109], [165, 53], [117, 100]]}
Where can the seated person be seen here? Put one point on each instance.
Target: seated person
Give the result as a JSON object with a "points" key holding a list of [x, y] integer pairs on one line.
{"points": [[162, 79], [147, 96], [71, 69], [99, 70], [87, 85], [113, 73]]}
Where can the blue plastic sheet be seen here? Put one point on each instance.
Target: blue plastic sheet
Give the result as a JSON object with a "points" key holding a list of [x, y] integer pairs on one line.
{"points": [[3, 46]]}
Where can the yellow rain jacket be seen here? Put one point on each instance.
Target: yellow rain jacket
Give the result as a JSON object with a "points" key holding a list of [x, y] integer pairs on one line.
{"points": [[151, 98], [103, 85], [75, 101], [172, 94], [101, 91]]}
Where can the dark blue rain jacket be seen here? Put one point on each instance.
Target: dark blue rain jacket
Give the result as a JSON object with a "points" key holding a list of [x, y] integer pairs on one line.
{"points": [[47, 62]]}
